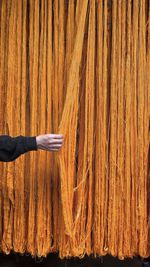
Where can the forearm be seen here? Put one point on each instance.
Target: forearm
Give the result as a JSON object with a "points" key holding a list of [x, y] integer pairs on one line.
{"points": [[12, 147]]}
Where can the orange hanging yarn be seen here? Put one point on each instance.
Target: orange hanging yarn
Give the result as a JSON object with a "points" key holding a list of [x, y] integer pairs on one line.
{"points": [[80, 68]]}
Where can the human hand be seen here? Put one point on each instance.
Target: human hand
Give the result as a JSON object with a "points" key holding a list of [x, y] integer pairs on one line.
{"points": [[49, 142]]}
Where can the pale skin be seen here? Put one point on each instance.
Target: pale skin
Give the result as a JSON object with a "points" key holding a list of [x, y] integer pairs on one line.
{"points": [[50, 142]]}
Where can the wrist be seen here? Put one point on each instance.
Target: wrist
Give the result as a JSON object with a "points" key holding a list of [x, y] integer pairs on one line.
{"points": [[38, 142]]}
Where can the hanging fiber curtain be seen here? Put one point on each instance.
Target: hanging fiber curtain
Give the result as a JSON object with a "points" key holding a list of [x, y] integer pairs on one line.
{"points": [[82, 69]]}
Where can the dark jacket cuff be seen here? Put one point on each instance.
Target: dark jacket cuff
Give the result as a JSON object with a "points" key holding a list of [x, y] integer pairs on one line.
{"points": [[30, 143]]}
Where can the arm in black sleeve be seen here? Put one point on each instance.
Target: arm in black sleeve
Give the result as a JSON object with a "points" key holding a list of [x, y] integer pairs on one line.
{"points": [[12, 147]]}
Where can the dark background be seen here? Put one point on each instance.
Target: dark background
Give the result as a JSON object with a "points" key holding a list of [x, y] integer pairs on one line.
{"points": [[52, 260]]}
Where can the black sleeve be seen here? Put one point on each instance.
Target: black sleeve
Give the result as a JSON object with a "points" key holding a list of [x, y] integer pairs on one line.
{"points": [[12, 147]]}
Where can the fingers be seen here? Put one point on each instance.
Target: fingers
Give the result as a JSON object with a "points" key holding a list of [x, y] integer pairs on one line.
{"points": [[56, 141], [56, 136], [50, 142], [54, 150], [56, 146]]}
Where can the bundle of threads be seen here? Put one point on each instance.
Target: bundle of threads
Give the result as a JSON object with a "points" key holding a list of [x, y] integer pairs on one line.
{"points": [[82, 69]]}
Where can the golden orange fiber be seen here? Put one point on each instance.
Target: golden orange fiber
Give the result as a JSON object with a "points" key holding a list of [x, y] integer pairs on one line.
{"points": [[80, 68]]}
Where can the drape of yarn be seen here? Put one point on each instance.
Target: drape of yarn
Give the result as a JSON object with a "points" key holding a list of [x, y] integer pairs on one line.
{"points": [[80, 68]]}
